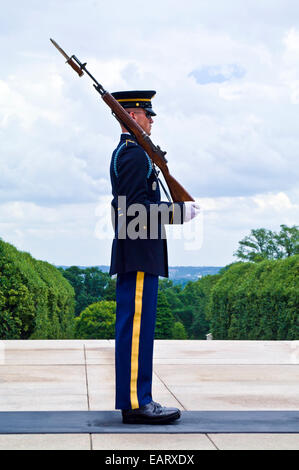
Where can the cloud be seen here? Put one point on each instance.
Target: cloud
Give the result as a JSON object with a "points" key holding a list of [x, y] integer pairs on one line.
{"points": [[226, 221], [57, 234], [217, 74], [227, 81], [63, 235]]}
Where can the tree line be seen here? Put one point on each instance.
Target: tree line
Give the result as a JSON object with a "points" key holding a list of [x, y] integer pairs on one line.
{"points": [[256, 301], [257, 297], [36, 301]]}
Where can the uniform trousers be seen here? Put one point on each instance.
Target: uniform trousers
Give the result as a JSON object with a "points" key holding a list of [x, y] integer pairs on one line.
{"points": [[136, 306]]}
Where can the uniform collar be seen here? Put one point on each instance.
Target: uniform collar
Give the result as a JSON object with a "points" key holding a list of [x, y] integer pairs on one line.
{"points": [[127, 136]]}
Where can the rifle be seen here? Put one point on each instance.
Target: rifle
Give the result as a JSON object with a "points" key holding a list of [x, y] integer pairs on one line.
{"points": [[178, 193]]}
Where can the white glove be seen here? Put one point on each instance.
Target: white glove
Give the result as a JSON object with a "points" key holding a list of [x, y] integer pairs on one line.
{"points": [[192, 209]]}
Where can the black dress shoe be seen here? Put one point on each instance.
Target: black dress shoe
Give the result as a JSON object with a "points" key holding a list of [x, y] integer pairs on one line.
{"points": [[152, 413]]}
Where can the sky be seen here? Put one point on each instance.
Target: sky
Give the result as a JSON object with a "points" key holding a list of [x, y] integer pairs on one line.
{"points": [[227, 80]]}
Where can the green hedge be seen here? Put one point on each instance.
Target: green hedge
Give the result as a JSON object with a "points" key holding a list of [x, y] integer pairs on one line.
{"points": [[36, 301], [257, 301]]}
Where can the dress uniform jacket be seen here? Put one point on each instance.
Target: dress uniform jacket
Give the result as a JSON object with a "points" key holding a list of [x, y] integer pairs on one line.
{"points": [[133, 176]]}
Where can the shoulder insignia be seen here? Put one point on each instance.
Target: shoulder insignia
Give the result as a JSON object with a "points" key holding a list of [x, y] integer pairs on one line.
{"points": [[132, 141]]}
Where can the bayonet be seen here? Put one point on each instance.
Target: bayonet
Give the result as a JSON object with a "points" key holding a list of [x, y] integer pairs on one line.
{"points": [[69, 60]]}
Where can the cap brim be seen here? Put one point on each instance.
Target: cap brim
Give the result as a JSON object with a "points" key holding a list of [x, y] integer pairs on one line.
{"points": [[151, 111]]}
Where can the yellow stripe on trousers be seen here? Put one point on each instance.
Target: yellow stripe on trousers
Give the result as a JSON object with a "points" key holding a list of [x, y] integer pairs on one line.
{"points": [[135, 339]]}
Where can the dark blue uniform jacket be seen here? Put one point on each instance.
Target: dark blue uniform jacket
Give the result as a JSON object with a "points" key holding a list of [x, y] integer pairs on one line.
{"points": [[133, 176]]}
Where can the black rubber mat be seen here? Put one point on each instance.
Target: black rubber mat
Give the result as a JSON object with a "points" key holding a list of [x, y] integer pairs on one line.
{"points": [[70, 422]]}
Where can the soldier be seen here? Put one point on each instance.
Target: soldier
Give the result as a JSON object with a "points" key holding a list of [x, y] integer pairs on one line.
{"points": [[139, 257]]}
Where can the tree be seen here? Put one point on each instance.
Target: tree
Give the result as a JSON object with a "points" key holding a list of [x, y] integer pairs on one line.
{"points": [[264, 244], [288, 241], [110, 290], [90, 285], [97, 321], [165, 319], [165, 284], [200, 324], [178, 331], [259, 245], [189, 304]]}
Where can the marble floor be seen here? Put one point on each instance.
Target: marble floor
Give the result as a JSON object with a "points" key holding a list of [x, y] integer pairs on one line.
{"points": [[191, 375]]}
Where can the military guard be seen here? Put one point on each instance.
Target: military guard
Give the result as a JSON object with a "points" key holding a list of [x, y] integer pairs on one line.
{"points": [[138, 262]]}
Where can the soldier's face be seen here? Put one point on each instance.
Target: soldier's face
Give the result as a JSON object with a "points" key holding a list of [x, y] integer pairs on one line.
{"points": [[144, 120]]}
